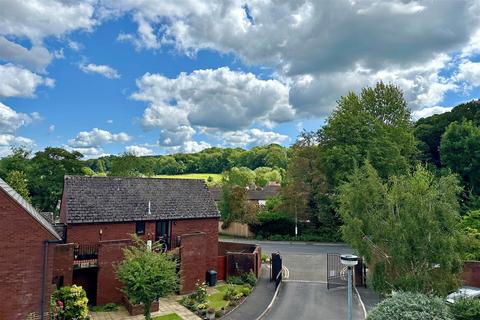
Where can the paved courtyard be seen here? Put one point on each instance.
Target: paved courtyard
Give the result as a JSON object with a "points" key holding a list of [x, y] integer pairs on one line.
{"points": [[166, 306]]}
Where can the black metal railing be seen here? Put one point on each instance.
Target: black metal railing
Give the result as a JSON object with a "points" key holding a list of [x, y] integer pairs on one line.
{"points": [[85, 251]]}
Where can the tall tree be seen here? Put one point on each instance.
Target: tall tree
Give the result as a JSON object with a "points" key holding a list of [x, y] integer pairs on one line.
{"points": [[374, 125], [18, 181], [460, 151], [407, 229], [47, 173]]}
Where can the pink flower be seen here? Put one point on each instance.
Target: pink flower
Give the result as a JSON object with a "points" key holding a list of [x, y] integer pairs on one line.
{"points": [[59, 303]]}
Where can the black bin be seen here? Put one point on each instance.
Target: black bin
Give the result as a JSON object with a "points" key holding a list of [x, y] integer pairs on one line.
{"points": [[211, 278]]}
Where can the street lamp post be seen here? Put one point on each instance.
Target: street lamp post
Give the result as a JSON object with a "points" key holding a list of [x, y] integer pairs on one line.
{"points": [[349, 260]]}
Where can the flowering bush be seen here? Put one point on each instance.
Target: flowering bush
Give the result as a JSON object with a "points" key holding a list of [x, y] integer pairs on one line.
{"points": [[70, 302]]}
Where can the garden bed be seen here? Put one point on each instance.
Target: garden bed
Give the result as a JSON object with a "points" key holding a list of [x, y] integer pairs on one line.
{"points": [[222, 299]]}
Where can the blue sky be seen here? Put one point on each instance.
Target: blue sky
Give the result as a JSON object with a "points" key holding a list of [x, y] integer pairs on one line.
{"points": [[156, 77]]}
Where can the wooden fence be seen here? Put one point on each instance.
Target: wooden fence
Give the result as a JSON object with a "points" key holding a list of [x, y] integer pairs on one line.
{"points": [[236, 229]]}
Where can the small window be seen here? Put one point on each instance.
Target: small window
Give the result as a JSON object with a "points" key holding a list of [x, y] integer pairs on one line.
{"points": [[140, 228]]}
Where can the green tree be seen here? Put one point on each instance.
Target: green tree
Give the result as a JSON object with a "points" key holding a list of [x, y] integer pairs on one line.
{"points": [[125, 165], [47, 173], [264, 175], [147, 275], [460, 151], [374, 125], [18, 181], [407, 229], [19, 160], [471, 228]]}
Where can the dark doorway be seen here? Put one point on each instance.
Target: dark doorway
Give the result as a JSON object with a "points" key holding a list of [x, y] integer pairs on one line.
{"points": [[163, 232], [87, 279]]}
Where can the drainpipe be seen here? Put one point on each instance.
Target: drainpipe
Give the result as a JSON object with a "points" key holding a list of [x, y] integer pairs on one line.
{"points": [[44, 274]]}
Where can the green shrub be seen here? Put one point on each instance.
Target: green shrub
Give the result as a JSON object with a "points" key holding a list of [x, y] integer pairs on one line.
{"points": [[229, 293], [200, 294], [410, 306], [466, 309], [249, 278], [70, 302], [235, 280], [273, 223], [245, 291], [265, 257]]}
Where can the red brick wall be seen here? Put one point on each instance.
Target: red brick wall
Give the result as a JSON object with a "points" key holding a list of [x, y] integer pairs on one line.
{"points": [[471, 273], [207, 226], [90, 233], [21, 261], [108, 286], [193, 254], [63, 262]]}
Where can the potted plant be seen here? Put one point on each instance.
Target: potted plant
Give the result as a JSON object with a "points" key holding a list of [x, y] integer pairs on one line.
{"points": [[211, 313]]}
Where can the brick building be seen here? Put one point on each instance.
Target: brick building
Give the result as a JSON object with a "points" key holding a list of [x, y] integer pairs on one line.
{"points": [[27, 242], [100, 214]]}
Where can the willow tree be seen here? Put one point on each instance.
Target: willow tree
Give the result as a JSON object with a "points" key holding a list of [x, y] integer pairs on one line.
{"points": [[406, 228]]}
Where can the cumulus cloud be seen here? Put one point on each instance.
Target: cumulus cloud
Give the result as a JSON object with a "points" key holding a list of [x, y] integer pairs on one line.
{"points": [[194, 146], [96, 138], [38, 19], [9, 140], [469, 72], [10, 120], [334, 47], [104, 70], [19, 82], [139, 150], [427, 112], [252, 137], [215, 98], [36, 58]]}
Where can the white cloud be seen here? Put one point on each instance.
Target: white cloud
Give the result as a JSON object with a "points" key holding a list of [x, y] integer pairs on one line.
{"points": [[104, 70], [470, 72], [336, 44], [51, 128], [219, 98], [90, 152], [96, 138], [194, 146], [36, 58], [19, 82], [139, 150], [252, 137], [427, 112], [37, 19], [10, 120], [75, 46], [9, 140]]}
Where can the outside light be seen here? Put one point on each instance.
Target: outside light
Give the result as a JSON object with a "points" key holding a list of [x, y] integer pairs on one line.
{"points": [[349, 260]]}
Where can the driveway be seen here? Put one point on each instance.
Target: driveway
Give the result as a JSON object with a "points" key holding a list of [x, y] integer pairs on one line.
{"points": [[304, 294]]}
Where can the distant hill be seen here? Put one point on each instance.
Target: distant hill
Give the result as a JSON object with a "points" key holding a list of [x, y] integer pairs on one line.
{"points": [[430, 130]]}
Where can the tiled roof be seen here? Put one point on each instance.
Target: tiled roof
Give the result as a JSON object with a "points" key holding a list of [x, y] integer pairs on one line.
{"points": [[252, 193], [29, 208], [117, 199]]}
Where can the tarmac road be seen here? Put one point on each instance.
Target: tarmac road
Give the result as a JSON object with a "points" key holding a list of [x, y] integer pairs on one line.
{"points": [[304, 294]]}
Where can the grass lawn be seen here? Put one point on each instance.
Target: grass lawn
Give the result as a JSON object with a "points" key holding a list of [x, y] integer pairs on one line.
{"points": [[217, 178], [172, 316]]}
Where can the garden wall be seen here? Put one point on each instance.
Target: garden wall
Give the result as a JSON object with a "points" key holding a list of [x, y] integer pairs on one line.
{"points": [[236, 229], [240, 258]]}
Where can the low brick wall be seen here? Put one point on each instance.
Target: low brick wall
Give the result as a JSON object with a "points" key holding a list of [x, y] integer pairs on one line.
{"points": [[471, 273], [137, 309]]}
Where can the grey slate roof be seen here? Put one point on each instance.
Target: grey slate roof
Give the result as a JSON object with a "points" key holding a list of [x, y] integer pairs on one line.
{"points": [[28, 208], [118, 199], [252, 193]]}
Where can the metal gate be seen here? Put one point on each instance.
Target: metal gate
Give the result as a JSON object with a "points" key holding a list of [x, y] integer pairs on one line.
{"points": [[336, 271]]}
